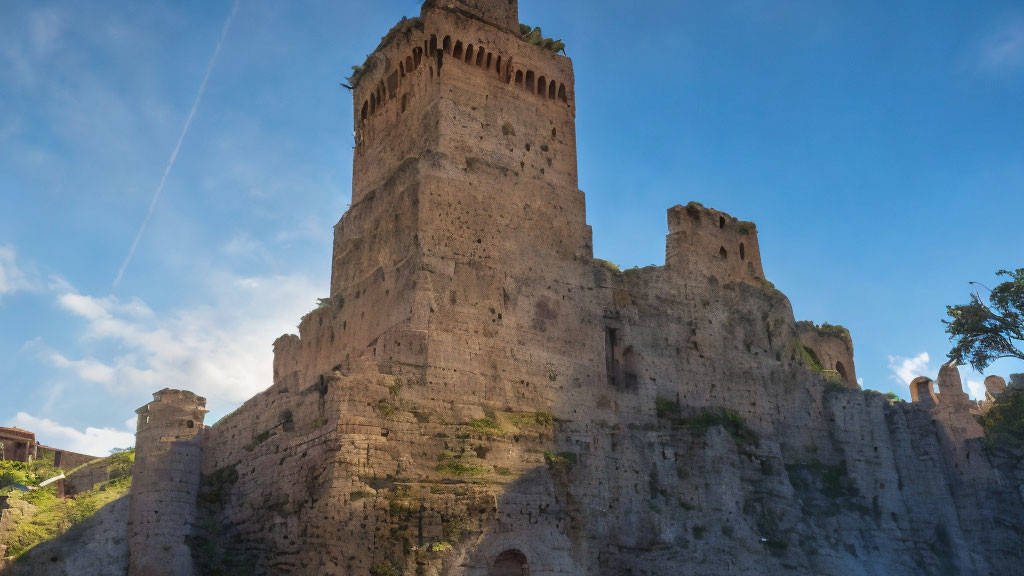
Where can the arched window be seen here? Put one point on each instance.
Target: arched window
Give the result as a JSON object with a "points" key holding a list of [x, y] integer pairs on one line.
{"points": [[531, 80], [561, 93], [723, 253], [542, 86], [842, 372], [457, 53], [401, 69], [519, 77], [432, 50], [552, 90], [488, 64], [499, 66], [366, 109], [417, 57], [446, 45], [721, 221], [510, 563], [469, 54], [373, 103], [743, 252]]}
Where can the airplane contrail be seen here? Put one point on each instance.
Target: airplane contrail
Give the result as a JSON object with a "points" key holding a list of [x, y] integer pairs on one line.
{"points": [[177, 147]]}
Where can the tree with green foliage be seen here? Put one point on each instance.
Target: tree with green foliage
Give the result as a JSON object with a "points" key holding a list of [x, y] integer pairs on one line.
{"points": [[991, 328]]}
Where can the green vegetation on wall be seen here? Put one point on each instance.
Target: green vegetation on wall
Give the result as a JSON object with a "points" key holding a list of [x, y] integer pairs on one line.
{"points": [[1004, 421], [536, 37], [48, 516]]}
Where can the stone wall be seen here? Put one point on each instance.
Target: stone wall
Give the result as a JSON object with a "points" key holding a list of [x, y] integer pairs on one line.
{"points": [[479, 394]]}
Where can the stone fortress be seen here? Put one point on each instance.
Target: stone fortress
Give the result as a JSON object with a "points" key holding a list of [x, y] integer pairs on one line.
{"points": [[480, 396]]}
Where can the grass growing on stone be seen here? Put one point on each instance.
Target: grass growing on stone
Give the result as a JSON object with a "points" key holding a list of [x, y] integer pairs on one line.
{"points": [[53, 516], [259, 439], [451, 465], [699, 423], [610, 266], [532, 420], [213, 488]]}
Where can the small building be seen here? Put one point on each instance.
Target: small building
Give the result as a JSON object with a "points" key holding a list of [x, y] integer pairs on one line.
{"points": [[17, 444]]}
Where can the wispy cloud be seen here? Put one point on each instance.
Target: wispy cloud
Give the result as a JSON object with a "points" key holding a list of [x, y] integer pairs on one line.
{"points": [[1004, 49], [221, 350], [906, 369], [93, 441], [977, 389], [13, 278], [177, 147]]}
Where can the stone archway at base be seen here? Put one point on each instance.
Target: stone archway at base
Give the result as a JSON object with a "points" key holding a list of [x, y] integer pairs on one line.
{"points": [[510, 563]]}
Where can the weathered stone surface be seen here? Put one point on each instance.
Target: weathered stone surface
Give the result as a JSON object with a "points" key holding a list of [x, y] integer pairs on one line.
{"points": [[97, 547], [479, 395]]}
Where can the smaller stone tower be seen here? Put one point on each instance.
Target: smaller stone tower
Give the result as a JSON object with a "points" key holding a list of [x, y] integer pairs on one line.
{"points": [[168, 456]]}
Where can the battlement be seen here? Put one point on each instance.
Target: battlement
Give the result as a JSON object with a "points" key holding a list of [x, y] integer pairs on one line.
{"points": [[501, 13], [704, 242]]}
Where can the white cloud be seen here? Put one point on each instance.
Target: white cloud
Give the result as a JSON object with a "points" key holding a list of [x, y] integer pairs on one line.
{"points": [[1005, 48], [977, 389], [93, 441], [906, 369], [221, 350], [12, 277]]}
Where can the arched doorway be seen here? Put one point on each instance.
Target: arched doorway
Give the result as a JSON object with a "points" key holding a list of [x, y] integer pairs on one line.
{"points": [[510, 563], [842, 372]]}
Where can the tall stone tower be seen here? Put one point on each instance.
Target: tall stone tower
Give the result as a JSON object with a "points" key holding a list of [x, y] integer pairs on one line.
{"points": [[465, 154], [168, 457]]}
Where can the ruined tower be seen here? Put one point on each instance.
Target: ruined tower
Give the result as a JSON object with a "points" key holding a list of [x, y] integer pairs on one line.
{"points": [[168, 456]]}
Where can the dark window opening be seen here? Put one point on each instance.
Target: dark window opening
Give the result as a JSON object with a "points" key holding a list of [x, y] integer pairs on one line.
{"points": [[469, 54], [552, 90], [542, 86], [561, 93], [531, 81], [190, 424], [723, 253], [842, 372], [743, 252], [519, 77], [721, 222], [457, 53], [630, 368], [610, 365]]}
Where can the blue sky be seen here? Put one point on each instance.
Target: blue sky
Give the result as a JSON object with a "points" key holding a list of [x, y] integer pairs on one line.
{"points": [[878, 146]]}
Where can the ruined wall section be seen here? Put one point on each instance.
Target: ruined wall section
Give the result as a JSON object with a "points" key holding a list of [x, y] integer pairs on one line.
{"points": [[703, 242], [168, 458], [831, 347]]}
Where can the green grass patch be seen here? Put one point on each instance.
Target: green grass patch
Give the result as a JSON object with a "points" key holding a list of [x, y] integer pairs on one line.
{"points": [[707, 418], [54, 516]]}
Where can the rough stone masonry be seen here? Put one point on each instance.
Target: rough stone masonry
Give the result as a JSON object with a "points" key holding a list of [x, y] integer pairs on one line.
{"points": [[480, 396]]}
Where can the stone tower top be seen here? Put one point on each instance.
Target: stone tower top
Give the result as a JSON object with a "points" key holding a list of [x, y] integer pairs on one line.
{"points": [[502, 13]]}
